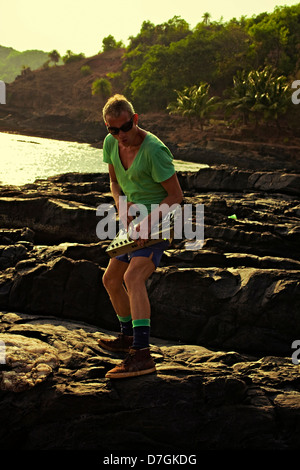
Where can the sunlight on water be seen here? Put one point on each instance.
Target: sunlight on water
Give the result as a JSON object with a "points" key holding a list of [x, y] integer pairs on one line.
{"points": [[24, 159]]}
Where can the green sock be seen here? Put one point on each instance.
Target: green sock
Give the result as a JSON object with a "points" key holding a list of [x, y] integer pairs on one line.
{"points": [[126, 325]]}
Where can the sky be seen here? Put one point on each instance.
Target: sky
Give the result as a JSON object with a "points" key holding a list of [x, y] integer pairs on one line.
{"points": [[81, 25]]}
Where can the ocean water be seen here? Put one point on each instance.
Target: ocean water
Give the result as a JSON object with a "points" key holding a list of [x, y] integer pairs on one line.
{"points": [[23, 159]]}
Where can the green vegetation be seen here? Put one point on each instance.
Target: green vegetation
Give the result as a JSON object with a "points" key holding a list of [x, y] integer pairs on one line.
{"points": [[12, 62], [242, 68], [259, 95], [249, 64], [102, 88], [71, 57], [110, 43], [85, 70], [54, 56], [195, 104]]}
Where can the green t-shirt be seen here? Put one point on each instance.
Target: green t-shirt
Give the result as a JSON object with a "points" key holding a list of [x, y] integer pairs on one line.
{"points": [[153, 164]]}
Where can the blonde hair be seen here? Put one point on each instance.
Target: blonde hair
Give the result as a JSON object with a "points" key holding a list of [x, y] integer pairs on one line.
{"points": [[116, 105]]}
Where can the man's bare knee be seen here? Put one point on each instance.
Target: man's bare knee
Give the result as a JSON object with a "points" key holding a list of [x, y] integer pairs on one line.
{"points": [[111, 282], [132, 278], [138, 273]]}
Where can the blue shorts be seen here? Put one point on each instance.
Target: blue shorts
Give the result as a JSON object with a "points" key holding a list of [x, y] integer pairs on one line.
{"points": [[157, 249]]}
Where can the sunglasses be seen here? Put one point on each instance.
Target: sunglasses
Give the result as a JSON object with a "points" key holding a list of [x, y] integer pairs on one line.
{"points": [[125, 128]]}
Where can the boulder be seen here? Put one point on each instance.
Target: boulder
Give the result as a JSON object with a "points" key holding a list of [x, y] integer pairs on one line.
{"points": [[54, 395], [247, 308]]}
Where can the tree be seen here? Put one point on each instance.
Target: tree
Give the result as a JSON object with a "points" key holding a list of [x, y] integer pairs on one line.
{"points": [[206, 18], [101, 87], [260, 94], [169, 56], [54, 56], [110, 43], [241, 97], [71, 57], [163, 34], [194, 103], [275, 38]]}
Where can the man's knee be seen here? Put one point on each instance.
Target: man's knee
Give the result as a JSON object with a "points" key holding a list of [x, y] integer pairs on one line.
{"points": [[131, 278], [110, 281], [138, 273]]}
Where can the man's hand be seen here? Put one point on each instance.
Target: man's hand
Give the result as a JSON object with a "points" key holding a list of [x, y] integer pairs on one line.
{"points": [[141, 231], [124, 216]]}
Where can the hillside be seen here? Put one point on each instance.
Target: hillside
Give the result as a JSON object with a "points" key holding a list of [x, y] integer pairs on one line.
{"points": [[59, 89], [57, 102], [12, 62]]}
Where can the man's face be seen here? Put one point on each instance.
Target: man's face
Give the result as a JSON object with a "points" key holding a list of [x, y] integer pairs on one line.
{"points": [[124, 137]]}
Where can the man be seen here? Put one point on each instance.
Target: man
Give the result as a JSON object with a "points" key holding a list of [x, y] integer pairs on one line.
{"points": [[141, 168]]}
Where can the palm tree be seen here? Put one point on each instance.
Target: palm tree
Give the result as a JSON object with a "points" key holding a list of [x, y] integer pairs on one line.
{"points": [[194, 103], [206, 18], [272, 95], [242, 97], [260, 94]]}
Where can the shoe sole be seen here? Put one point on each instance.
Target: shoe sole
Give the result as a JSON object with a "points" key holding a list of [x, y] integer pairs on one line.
{"points": [[124, 375]]}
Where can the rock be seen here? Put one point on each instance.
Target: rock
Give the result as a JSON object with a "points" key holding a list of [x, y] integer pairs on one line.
{"points": [[235, 179], [246, 309], [72, 289], [61, 208], [54, 395], [224, 319], [240, 291], [53, 220], [28, 361]]}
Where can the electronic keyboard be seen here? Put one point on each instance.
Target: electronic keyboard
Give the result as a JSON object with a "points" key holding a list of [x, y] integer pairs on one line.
{"points": [[122, 243]]}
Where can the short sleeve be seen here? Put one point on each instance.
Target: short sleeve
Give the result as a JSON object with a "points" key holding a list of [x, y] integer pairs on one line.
{"points": [[162, 167], [107, 147]]}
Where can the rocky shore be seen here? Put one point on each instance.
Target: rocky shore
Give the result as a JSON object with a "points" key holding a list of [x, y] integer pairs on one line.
{"points": [[224, 319]]}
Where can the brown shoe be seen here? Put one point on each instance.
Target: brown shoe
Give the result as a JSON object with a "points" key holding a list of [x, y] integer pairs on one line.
{"points": [[137, 362], [122, 343]]}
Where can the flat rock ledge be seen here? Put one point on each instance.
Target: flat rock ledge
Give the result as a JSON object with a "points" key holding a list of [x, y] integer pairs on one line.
{"points": [[54, 394], [225, 322]]}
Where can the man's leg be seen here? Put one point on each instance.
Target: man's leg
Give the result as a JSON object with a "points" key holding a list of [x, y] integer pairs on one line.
{"points": [[113, 283], [139, 270], [139, 361]]}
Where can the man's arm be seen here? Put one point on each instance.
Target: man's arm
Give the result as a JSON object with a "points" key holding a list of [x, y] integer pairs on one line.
{"points": [[114, 185], [174, 196], [173, 188], [116, 193]]}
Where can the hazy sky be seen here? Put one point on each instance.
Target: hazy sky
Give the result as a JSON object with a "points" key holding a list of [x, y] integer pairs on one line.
{"points": [[80, 25]]}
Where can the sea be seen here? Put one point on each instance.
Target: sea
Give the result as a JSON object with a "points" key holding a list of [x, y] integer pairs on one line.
{"points": [[24, 159]]}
